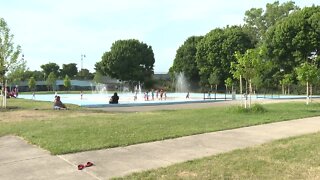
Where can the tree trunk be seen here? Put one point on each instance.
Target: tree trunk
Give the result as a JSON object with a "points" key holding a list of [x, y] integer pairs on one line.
{"points": [[250, 92], [307, 93], [240, 85], [215, 96], [225, 93], [310, 92], [246, 95], [5, 94]]}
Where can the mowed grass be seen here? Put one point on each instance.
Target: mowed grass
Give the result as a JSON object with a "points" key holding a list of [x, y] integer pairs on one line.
{"points": [[81, 129], [292, 158]]}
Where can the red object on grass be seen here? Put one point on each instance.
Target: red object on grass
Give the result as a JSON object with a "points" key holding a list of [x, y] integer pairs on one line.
{"points": [[89, 164], [80, 166]]}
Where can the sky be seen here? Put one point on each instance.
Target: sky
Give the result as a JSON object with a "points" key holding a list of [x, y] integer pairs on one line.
{"points": [[61, 31]]}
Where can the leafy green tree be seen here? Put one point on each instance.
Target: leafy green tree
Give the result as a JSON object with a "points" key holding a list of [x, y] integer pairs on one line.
{"points": [[16, 73], [185, 60], [258, 21], [51, 81], [69, 69], [32, 84], [50, 68], [36, 74], [248, 66], [85, 74], [257, 82], [286, 82], [228, 83], [217, 48], [128, 60], [67, 82], [98, 78], [214, 79], [307, 74], [294, 39], [8, 53]]}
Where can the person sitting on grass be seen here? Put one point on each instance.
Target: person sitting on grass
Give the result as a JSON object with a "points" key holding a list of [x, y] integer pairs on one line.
{"points": [[114, 99], [57, 104]]}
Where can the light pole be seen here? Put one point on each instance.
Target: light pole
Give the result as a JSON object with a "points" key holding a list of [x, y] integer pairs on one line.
{"points": [[82, 57]]}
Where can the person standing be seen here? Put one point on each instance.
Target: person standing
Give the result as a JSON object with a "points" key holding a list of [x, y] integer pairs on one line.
{"points": [[152, 94]]}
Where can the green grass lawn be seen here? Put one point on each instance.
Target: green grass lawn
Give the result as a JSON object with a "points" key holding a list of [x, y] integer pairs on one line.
{"points": [[292, 158], [80, 129]]}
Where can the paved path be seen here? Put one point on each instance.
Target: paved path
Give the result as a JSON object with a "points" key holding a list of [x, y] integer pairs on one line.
{"points": [[20, 160]]}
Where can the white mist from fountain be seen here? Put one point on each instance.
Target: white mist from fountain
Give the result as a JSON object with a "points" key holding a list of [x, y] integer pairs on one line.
{"points": [[139, 88], [181, 83], [101, 88]]}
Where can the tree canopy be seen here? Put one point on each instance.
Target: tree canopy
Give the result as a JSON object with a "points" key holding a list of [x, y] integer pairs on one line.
{"points": [[51, 81], [216, 51], [67, 82], [257, 20], [185, 60], [128, 60], [69, 69], [32, 84], [50, 68], [295, 39], [8, 52]]}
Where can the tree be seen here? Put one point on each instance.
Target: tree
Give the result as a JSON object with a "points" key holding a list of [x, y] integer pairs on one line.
{"points": [[50, 68], [51, 81], [128, 60], [69, 69], [32, 84], [217, 48], [99, 78], [27, 74], [286, 82], [248, 66], [8, 53], [258, 21], [214, 79], [294, 39], [228, 83], [85, 74], [185, 60], [16, 73], [307, 74], [67, 82]]}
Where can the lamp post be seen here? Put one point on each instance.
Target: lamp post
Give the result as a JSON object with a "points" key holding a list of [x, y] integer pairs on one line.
{"points": [[82, 57]]}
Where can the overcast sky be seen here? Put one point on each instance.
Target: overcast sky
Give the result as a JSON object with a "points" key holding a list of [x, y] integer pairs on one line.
{"points": [[61, 30]]}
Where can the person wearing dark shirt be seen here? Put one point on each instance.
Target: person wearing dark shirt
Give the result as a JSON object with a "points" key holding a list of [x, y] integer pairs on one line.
{"points": [[114, 99], [57, 104]]}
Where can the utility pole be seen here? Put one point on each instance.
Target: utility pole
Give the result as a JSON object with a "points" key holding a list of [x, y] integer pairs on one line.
{"points": [[82, 57]]}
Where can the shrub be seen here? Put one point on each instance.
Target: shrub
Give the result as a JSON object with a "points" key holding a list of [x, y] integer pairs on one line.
{"points": [[255, 108]]}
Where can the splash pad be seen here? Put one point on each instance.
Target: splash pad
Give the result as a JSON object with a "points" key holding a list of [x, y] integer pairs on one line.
{"points": [[126, 99]]}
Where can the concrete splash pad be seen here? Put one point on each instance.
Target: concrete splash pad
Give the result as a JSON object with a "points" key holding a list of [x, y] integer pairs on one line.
{"points": [[127, 99]]}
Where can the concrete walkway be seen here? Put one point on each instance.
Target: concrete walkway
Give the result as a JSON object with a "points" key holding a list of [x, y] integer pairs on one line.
{"points": [[20, 160]]}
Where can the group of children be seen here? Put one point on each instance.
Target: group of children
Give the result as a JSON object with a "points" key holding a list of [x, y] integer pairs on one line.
{"points": [[13, 93], [160, 95]]}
